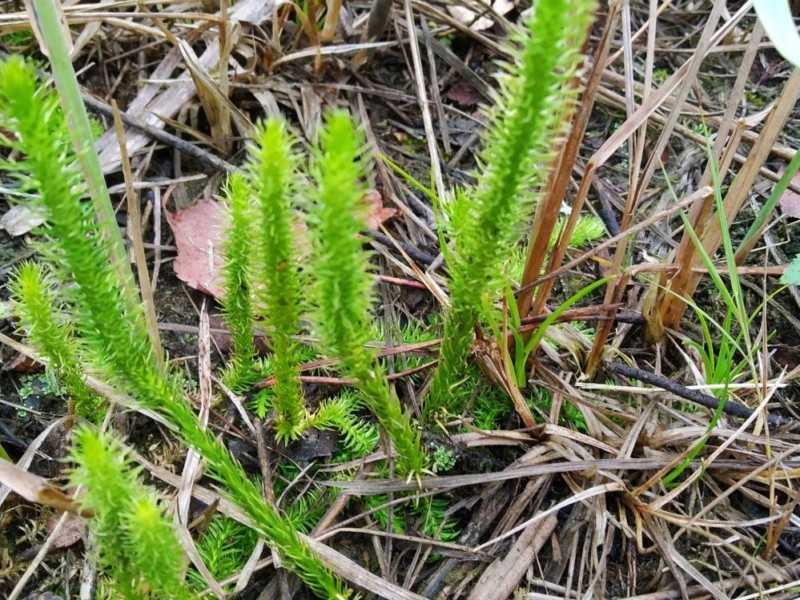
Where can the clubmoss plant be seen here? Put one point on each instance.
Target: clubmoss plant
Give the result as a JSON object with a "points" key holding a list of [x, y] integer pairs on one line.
{"points": [[359, 437], [271, 177], [49, 168], [343, 286], [37, 309], [485, 223], [273, 173], [236, 301], [116, 339], [224, 548], [306, 509], [588, 228], [137, 548]]}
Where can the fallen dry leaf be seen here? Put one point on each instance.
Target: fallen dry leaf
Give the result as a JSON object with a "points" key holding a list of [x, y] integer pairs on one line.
{"points": [[463, 94], [21, 219], [790, 201], [22, 364], [198, 234], [34, 488], [378, 213], [70, 533]]}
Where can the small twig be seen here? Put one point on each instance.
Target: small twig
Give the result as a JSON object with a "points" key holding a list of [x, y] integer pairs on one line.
{"points": [[326, 380], [263, 462], [174, 141], [437, 99], [730, 407], [422, 95], [418, 255]]}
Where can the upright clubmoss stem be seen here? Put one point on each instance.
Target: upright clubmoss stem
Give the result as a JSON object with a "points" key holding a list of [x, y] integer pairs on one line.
{"points": [[343, 285], [485, 222], [237, 292], [273, 173]]}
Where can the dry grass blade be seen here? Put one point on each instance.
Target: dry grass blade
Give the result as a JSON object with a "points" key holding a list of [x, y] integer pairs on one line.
{"points": [[422, 94], [34, 488], [579, 497], [572, 466], [135, 234], [614, 291], [500, 579], [218, 109], [655, 218], [192, 466], [152, 105], [188, 545], [30, 452], [685, 281], [548, 209], [604, 153]]}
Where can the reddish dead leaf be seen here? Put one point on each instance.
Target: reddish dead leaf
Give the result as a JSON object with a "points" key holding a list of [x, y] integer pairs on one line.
{"points": [[790, 201], [70, 533], [378, 213], [463, 94], [22, 364], [198, 234]]}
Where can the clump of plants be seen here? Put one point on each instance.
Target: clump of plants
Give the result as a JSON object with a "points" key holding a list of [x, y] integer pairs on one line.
{"points": [[113, 335], [343, 286], [48, 329], [341, 283], [485, 223], [81, 315], [224, 547]]}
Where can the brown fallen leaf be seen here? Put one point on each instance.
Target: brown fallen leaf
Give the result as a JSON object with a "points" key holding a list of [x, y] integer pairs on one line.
{"points": [[463, 94], [71, 532], [378, 213], [199, 233], [22, 364]]}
